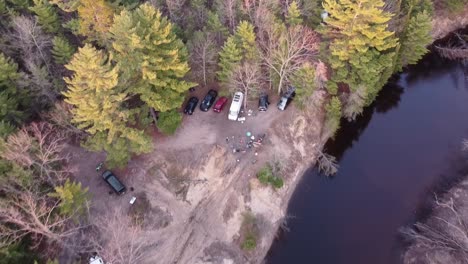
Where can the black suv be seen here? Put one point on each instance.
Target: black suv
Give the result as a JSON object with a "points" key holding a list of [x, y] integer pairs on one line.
{"points": [[286, 98], [208, 101], [113, 182], [191, 105], [263, 103]]}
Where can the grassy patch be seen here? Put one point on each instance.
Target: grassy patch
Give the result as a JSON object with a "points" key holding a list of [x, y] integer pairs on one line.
{"points": [[269, 175], [249, 232]]}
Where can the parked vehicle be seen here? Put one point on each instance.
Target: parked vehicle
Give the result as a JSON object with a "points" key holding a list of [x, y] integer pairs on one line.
{"points": [[191, 105], [286, 98], [208, 101], [113, 182], [219, 105], [236, 106], [263, 103]]}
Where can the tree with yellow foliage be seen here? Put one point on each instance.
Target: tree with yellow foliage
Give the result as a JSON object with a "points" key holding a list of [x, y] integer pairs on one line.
{"points": [[96, 17], [153, 61], [361, 48], [93, 90]]}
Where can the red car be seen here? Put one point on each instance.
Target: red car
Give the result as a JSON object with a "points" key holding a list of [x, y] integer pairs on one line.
{"points": [[218, 107]]}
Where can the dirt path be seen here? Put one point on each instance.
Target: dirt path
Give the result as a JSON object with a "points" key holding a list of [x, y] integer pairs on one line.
{"points": [[195, 180]]}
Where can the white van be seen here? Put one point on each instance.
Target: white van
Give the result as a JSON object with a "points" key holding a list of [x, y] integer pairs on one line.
{"points": [[236, 106]]}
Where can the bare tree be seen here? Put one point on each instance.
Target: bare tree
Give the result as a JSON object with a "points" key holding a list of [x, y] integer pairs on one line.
{"points": [[321, 75], [457, 48], [31, 40], [120, 240], [38, 146], [286, 49], [60, 116], [28, 212], [327, 163], [246, 78], [447, 231], [227, 9], [175, 8], [34, 46], [203, 55], [355, 103]]}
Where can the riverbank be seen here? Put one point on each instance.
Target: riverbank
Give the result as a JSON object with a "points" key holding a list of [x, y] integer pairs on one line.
{"points": [[443, 236], [198, 190]]}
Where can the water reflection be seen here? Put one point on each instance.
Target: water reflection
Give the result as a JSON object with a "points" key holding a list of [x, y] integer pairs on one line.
{"points": [[391, 158]]}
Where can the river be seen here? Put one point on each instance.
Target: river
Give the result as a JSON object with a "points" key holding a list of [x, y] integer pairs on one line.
{"points": [[392, 159]]}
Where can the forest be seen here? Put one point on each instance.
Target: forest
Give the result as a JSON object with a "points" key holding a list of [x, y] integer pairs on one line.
{"points": [[102, 73]]}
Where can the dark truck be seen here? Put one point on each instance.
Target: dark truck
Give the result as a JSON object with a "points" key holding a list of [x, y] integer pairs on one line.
{"points": [[113, 182]]}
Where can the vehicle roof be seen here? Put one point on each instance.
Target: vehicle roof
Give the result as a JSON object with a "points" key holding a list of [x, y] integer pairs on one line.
{"points": [[115, 183], [106, 174], [238, 96], [221, 100]]}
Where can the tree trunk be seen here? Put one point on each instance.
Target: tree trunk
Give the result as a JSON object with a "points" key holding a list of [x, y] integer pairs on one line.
{"points": [[153, 114]]}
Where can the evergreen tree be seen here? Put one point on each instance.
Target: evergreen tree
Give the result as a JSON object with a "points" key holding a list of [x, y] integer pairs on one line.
{"points": [[10, 98], [361, 48], [46, 15], [19, 4], [415, 40], [293, 17], [67, 5], [95, 19], [229, 58], [168, 122], [153, 60], [3, 7], [214, 25], [245, 40], [62, 51], [304, 82], [415, 33], [92, 90], [72, 198], [333, 116], [98, 107]]}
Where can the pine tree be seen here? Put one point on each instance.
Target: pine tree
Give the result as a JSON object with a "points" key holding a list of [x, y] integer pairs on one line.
{"points": [[72, 198], [416, 33], [361, 48], [293, 17], [19, 4], [153, 60], [95, 19], [304, 82], [67, 5], [92, 90], [245, 40], [213, 24], [46, 15], [3, 8], [333, 113], [98, 107], [62, 51], [415, 40], [9, 96], [229, 58]]}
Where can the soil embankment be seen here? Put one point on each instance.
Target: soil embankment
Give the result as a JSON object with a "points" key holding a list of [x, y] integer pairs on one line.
{"points": [[199, 190]]}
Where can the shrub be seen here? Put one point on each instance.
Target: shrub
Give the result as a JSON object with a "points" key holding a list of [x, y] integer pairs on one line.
{"points": [[266, 176], [250, 242], [249, 231], [168, 122], [276, 182]]}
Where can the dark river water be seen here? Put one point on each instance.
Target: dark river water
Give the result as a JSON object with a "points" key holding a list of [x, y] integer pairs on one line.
{"points": [[392, 159]]}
